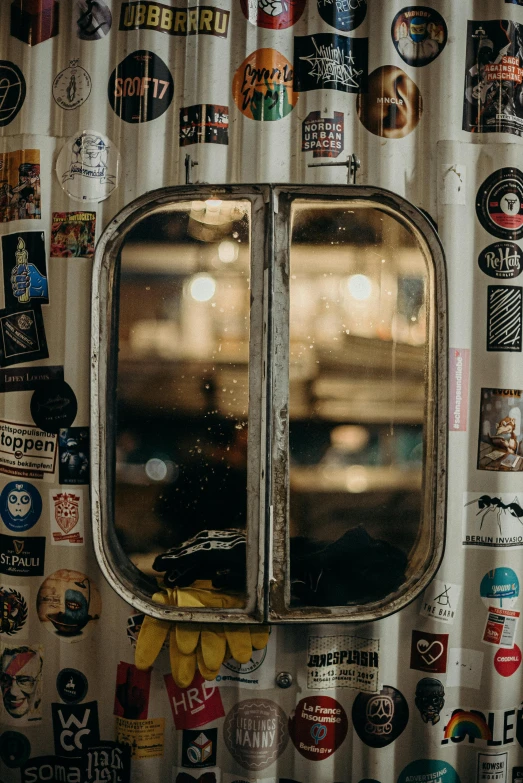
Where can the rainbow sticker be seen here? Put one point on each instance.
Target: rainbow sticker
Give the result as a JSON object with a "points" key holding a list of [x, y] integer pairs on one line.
{"points": [[464, 723]]}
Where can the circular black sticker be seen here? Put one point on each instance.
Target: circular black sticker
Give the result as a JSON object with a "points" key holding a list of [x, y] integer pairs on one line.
{"points": [[53, 406], [419, 34], [343, 14], [141, 88], [379, 718], [71, 685], [15, 749], [502, 260], [499, 204], [12, 91]]}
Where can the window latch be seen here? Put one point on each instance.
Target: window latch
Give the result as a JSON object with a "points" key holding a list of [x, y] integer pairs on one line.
{"points": [[352, 163]]}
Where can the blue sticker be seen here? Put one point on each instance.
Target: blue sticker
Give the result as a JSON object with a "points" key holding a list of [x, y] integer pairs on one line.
{"points": [[500, 587], [429, 771], [20, 506]]}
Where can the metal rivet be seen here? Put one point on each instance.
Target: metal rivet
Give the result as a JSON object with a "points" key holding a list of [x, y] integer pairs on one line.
{"points": [[284, 680]]}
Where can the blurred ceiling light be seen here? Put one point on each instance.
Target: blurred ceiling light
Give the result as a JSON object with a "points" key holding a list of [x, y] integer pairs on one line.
{"points": [[350, 437], [228, 251], [213, 204], [356, 479], [360, 287], [202, 287], [156, 469]]}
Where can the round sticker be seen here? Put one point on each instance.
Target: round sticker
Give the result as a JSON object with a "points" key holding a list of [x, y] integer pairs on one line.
{"points": [[262, 86], [419, 34], [345, 15], [141, 88], [273, 14], [499, 204], [88, 166], [20, 506], [257, 658], [93, 19], [392, 105], [318, 726], [68, 604], [15, 749], [12, 91], [53, 406], [429, 770], [14, 610], [507, 661], [72, 87], [255, 732], [71, 685], [500, 588], [502, 260], [379, 718]]}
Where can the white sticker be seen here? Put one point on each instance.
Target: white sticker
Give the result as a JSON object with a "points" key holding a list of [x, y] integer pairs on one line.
{"points": [[452, 183], [493, 520], [88, 166], [464, 668], [67, 516], [500, 627], [343, 662], [492, 767], [258, 673], [440, 600]]}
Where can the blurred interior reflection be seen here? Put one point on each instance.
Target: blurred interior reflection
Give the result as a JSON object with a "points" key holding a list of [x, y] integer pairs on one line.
{"points": [[358, 326]]}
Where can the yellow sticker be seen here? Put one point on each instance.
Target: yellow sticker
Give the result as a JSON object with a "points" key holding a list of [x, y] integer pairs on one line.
{"points": [[145, 737]]}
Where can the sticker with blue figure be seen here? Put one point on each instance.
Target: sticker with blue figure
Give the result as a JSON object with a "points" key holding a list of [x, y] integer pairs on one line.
{"points": [[20, 506], [25, 268]]}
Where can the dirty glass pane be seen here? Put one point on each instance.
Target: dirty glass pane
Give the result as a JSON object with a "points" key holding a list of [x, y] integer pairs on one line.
{"points": [[182, 397], [358, 346]]}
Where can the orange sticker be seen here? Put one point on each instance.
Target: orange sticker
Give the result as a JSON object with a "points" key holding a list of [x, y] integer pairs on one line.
{"points": [[262, 86]]}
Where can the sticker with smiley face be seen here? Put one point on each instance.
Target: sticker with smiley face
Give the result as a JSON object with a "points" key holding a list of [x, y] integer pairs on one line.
{"points": [[68, 604]]}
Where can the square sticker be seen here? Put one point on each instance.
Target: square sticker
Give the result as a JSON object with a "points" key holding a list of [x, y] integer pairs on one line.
{"points": [[428, 652], [440, 601]]}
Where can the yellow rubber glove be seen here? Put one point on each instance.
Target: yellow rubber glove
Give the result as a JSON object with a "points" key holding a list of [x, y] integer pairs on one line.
{"points": [[194, 644]]}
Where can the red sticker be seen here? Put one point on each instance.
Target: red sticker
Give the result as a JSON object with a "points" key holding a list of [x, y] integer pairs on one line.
{"points": [[318, 726], [131, 699], [196, 705], [506, 662], [428, 652]]}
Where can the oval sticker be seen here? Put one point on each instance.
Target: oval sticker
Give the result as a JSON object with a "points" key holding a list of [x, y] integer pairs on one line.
{"points": [[501, 260]]}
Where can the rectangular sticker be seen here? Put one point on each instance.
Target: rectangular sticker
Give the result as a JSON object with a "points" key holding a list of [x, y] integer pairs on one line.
{"points": [[492, 768], [504, 317], [464, 668], [24, 556], [22, 707], [22, 336], [72, 234], [494, 521], [20, 185], [131, 699], [500, 434], [26, 450], [107, 761], [28, 378], [204, 124], [24, 265], [323, 135], [329, 61], [493, 77], [73, 450], [459, 373], [196, 20], [196, 705], [500, 628], [75, 727], [343, 662], [67, 517], [145, 737], [440, 601]]}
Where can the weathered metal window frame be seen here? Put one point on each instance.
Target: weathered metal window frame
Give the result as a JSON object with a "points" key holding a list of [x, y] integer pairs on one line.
{"points": [[435, 437], [268, 466], [127, 580]]}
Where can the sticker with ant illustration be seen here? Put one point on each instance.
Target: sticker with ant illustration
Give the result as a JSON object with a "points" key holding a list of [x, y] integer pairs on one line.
{"points": [[500, 443], [493, 520]]}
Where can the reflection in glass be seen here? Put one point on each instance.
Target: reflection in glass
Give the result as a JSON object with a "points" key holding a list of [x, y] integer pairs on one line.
{"points": [[182, 406], [358, 346]]}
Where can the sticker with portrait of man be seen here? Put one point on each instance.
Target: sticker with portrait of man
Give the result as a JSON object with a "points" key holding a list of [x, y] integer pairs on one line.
{"points": [[21, 679]]}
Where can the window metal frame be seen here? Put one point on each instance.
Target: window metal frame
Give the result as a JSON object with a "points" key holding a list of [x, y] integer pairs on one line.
{"points": [[126, 580], [268, 586], [436, 427]]}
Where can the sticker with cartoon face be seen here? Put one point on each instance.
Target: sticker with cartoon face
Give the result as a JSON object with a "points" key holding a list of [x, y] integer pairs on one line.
{"points": [[430, 699], [20, 506], [88, 166], [68, 604], [500, 439], [419, 35]]}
